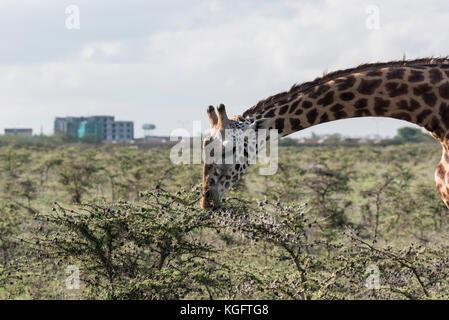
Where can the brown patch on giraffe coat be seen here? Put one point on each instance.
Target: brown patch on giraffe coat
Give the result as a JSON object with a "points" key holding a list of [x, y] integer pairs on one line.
{"points": [[283, 109], [362, 112], [307, 104], [279, 124], [336, 107], [425, 91], [444, 90], [380, 105], [270, 114], [337, 111], [434, 127], [298, 112], [423, 115], [395, 73], [361, 103], [411, 105], [324, 118], [294, 106], [311, 116], [402, 116], [293, 97], [435, 75], [441, 172], [345, 83], [369, 86], [416, 76], [295, 123], [347, 96], [327, 99], [395, 89], [319, 91], [444, 114], [340, 115]]}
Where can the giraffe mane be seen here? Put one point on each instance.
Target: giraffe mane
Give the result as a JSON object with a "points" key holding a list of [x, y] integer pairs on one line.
{"points": [[307, 86]]}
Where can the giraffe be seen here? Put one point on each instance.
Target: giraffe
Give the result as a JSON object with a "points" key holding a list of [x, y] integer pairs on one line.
{"points": [[416, 91]]}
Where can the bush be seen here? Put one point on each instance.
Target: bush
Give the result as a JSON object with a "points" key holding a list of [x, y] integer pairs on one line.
{"points": [[370, 215]]}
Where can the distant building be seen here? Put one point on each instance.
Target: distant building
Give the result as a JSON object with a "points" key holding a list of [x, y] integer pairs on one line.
{"points": [[95, 128], [91, 130], [104, 124], [122, 130], [68, 126], [19, 132]]}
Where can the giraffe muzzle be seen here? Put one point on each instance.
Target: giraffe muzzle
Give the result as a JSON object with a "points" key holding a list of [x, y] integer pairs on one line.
{"points": [[206, 204], [208, 201]]}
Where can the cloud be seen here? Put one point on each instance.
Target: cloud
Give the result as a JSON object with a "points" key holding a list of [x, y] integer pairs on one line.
{"points": [[164, 63], [103, 49]]}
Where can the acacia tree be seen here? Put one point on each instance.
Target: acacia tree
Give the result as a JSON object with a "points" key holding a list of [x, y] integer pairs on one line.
{"points": [[22, 188], [77, 174], [391, 195], [46, 164], [145, 250], [409, 134], [328, 184], [12, 159]]}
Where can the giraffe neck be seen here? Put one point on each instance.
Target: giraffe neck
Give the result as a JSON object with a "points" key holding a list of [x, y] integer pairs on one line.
{"points": [[414, 91]]}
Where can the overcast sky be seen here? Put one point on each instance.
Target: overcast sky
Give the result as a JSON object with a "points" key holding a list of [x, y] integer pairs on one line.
{"points": [[164, 62]]}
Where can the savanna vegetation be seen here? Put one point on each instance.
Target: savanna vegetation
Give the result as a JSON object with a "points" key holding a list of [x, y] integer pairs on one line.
{"points": [[335, 222]]}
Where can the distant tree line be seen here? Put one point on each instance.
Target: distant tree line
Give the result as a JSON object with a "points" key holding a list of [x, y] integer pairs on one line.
{"points": [[403, 135]]}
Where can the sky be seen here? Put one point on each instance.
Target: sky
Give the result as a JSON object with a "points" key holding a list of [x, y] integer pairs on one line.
{"points": [[164, 62]]}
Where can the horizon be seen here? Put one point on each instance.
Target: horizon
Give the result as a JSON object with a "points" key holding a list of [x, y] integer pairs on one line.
{"points": [[310, 134]]}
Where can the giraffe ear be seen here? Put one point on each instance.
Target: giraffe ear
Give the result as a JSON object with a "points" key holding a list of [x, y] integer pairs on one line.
{"points": [[223, 119], [213, 119]]}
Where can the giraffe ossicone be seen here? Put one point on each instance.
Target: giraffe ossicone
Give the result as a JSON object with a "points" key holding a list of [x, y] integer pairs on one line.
{"points": [[416, 91]]}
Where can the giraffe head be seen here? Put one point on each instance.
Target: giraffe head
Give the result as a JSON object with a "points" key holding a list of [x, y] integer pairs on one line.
{"points": [[224, 161]]}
